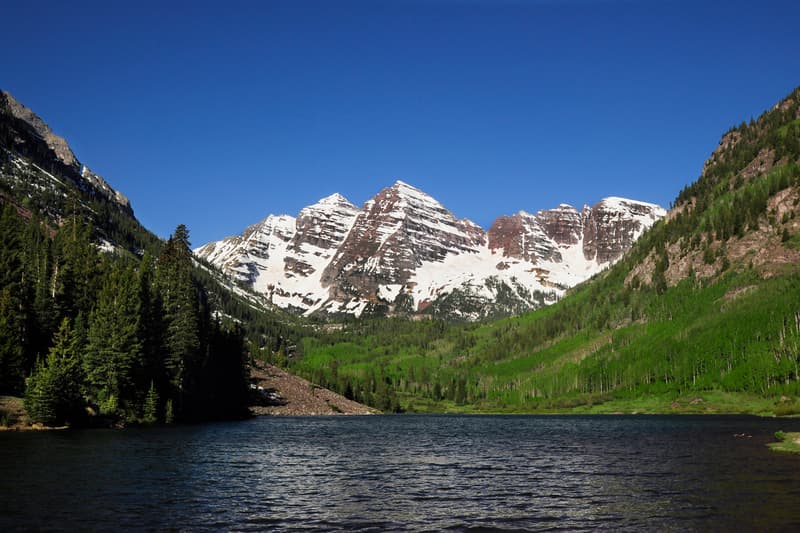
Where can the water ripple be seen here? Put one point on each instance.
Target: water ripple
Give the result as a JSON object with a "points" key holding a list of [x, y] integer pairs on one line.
{"points": [[405, 473]]}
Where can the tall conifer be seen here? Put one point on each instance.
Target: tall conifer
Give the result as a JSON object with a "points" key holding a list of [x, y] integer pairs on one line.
{"points": [[180, 297], [114, 349], [53, 394]]}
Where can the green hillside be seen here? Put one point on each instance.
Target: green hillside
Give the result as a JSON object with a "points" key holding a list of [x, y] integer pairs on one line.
{"points": [[702, 315]]}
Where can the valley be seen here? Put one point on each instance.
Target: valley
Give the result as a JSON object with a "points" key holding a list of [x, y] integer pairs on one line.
{"points": [[703, 307], [401, 306]]}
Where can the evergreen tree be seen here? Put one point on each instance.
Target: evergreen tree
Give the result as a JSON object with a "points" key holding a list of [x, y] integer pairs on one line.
{"points": [[151, 405], [12, 308], [114, 349], [43, 318], [11, 271], [12, 356], [76, 273], [180, 299], [225, 374], [53, 394], [151, 328]]}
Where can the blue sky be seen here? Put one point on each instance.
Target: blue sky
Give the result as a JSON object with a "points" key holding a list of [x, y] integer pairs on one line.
{"points": [[216, 114]]}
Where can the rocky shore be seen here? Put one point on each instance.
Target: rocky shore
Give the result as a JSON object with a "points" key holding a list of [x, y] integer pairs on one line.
{"points": [[281, 393]]}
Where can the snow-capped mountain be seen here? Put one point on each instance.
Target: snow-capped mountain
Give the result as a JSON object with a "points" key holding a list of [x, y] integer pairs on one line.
{"points": [[404, 252]]}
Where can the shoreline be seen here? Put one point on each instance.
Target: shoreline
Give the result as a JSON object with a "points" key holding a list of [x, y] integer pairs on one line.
{"points": [[276, 392]]}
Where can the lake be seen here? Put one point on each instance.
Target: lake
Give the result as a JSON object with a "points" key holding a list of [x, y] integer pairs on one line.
{"points": [[407, 472]]}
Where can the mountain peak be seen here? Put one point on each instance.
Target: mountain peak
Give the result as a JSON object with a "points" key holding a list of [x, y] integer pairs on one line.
{"points": [[402, 184], [404, 250], [408, 196], [29, 137], [55, 142], [334, 199], [616, 201], [406, 190]]}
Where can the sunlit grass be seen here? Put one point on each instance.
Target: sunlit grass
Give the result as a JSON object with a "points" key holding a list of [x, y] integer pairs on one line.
{"points": [[789, 442]]}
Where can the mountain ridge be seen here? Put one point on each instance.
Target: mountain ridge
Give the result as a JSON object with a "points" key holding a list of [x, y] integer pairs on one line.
{"points": [[18, 139], [403, 250]]}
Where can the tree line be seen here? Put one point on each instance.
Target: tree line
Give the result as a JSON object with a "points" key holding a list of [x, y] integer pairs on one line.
{"points": [[87, 335]]}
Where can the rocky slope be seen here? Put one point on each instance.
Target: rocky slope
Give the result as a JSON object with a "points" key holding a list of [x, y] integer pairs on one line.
{"points": [[404, 252], [27, 140], [39, 173], [278, 392], [742, 212]]}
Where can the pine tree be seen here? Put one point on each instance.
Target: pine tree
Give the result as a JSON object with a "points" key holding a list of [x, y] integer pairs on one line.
{"points": [[169, 413], [53, 395], [114, 350], [12, 356], [43, 318], [180, 297], [151, 405], [76, 274], [11, 253], [151, 328], [12, 309], [225, 374]]}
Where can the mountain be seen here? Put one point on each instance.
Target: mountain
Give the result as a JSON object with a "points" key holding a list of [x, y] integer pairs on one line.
{"points": [[39, 171], [701, 315], [403, 252]]}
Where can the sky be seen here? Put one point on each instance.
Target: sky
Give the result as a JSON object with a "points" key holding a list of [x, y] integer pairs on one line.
{"points": [[215, 114]]}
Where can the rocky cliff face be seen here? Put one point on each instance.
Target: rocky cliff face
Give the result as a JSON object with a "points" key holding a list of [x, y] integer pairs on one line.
{"points": [[602, 233], [612, 226], [396, 232], [25, 139], [404, 252]]}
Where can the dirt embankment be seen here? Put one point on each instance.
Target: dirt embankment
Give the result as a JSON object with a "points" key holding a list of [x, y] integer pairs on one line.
{"points": [[282, 393]]}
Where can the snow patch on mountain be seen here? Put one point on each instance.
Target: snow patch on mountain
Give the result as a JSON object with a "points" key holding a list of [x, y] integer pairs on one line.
{"points": [[405, 250]]}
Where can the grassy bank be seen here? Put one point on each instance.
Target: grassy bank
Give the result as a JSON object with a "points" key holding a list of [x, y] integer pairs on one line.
{"points": [[709, 402], [789, 442]]}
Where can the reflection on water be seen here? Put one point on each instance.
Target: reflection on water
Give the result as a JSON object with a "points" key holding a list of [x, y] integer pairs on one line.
{"points": [[406, 473]]}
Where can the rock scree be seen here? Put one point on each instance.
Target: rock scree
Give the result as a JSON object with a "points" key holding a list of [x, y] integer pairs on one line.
{"points": [[280, 393]]}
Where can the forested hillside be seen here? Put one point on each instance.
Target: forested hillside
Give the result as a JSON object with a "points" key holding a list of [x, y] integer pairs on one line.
{"points": [[100, 320], [701, 315], [85, 332]]}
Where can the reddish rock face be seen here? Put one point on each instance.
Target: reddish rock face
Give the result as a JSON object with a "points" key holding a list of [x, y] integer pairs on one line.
{"points": [[612, 226], [606, 231], [398, 230], [564, 225], [522, 236], [505, 234]]}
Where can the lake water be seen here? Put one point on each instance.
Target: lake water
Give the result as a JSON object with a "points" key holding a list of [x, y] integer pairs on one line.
{"points": [[393, 473]]}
